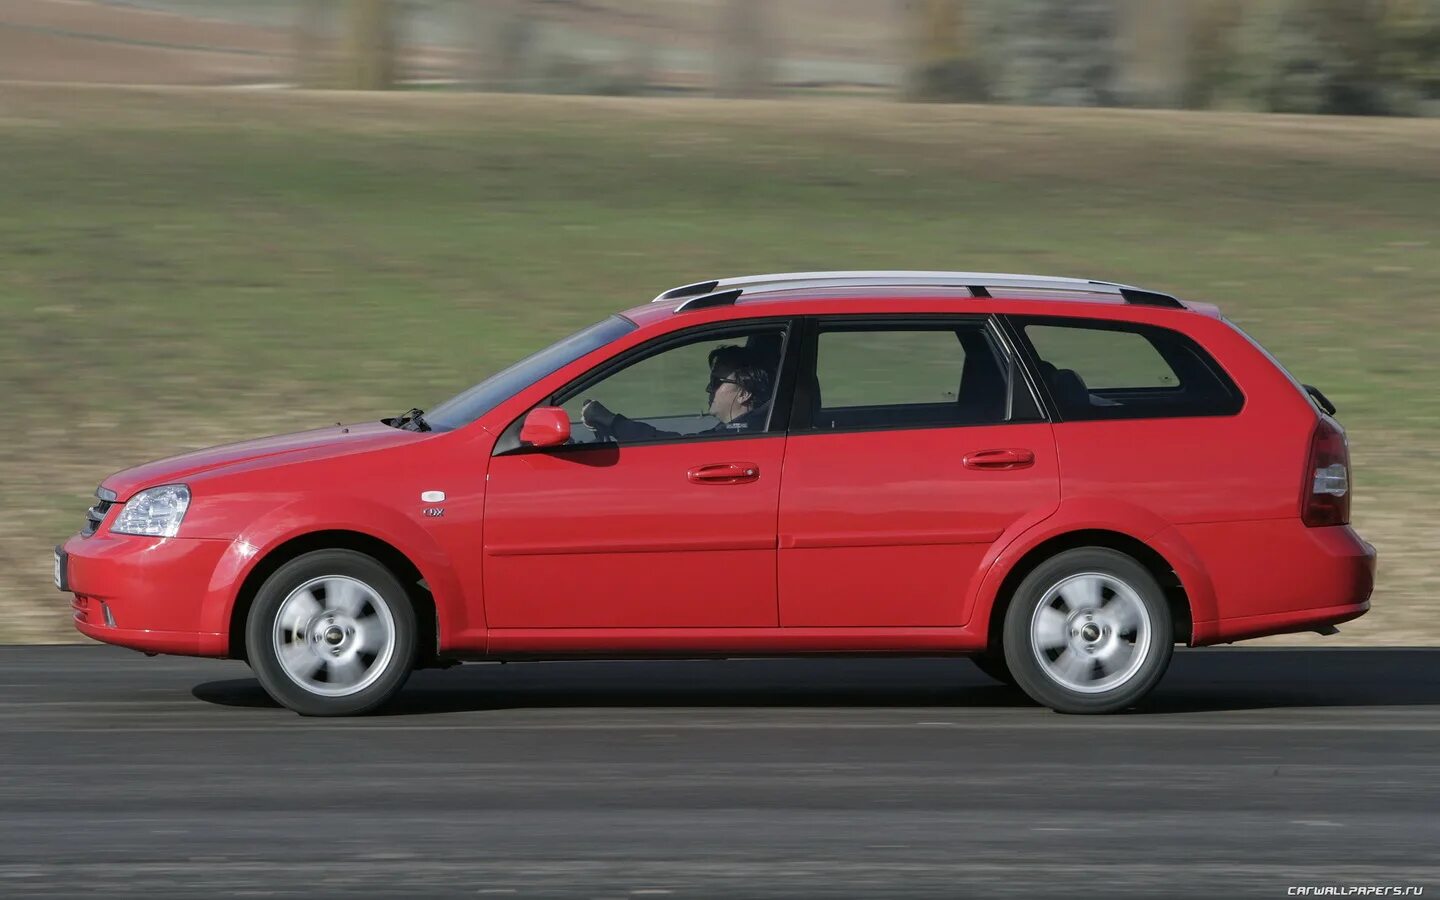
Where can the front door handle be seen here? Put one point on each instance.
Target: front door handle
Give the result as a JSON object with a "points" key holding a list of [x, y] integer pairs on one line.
{"points": [[724, 473], [999, 459]]}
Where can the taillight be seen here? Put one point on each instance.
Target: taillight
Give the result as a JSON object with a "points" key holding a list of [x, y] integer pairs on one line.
{"points": [[1326, 498]]}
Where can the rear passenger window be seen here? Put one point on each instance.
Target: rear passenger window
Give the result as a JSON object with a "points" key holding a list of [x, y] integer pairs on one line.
{"points": [[1108, 370], [906, 376]]}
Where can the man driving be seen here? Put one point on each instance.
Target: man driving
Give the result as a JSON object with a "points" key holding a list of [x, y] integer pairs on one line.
{"points": [[739, 392]]}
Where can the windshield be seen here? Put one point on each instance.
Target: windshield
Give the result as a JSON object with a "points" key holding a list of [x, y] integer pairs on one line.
{"points": [[471, 404]]}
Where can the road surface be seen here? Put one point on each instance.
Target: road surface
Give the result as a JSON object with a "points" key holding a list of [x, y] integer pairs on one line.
{"points": [[1248, 772]]}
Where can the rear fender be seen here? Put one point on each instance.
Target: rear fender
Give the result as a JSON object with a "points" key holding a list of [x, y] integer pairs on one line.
{"points": [[1095, 514]]}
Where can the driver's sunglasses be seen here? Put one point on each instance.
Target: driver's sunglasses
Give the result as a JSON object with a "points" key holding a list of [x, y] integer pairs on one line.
{"points": [[715, 383]]}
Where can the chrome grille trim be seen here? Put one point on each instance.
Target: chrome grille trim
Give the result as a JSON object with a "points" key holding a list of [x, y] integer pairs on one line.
{"points": [[95, 515]]}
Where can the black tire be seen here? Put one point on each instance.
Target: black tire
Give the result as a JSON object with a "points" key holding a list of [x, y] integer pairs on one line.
{"points": [[993, 665], [1075, 678], [321, 572]]}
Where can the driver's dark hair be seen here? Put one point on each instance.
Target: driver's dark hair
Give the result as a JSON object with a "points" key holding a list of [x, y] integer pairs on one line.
{"points": [[744, 367]]}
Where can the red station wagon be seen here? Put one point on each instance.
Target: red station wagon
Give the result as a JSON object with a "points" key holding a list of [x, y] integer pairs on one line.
{"points": [[1059, 478]]}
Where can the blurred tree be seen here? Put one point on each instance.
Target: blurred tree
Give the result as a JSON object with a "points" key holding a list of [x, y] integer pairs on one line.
{"points": [[370, 46], [315, 44], [1211, 47], [1311, 56], [1153, 49], [1410, 55], [504, 42], [940, 63], [1053, 52], [743, 66]]}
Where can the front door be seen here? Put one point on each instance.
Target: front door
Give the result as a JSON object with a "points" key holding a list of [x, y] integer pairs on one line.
{"points": [[909, 457], [664, 516]]}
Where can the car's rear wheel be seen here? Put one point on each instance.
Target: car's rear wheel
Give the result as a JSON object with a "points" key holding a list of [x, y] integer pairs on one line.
{"points": [[1088, 631], [331, 633]]}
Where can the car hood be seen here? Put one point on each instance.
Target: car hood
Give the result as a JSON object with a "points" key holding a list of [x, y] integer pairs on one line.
{"points": [[336, 440]]}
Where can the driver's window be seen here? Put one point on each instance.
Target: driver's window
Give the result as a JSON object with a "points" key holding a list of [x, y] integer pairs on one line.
{"points": [[712, 385]]}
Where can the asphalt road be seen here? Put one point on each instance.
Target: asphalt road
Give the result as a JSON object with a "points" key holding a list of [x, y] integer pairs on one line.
{"points": [[1248, 772]]}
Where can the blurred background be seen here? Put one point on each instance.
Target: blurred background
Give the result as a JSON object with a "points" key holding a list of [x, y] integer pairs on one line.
{"points": [[227, 218]]}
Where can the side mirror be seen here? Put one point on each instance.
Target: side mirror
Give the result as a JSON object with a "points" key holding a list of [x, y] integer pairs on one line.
{"points": [[545, 426]]}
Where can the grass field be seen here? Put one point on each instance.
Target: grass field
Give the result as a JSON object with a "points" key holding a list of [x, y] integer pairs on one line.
{"points": [[179, 268]]}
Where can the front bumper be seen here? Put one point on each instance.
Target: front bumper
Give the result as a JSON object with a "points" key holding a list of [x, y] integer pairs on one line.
{"points": [[143, 593]]}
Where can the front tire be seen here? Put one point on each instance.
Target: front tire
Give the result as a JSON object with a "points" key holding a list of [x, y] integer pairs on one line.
{"points": [[331, 633], [993, 665], [1088, 631]]}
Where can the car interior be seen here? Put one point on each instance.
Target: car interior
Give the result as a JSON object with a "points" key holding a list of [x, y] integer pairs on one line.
{"points": [[980, 397]]}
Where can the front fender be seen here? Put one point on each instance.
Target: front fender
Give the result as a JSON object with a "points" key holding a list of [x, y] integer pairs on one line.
{"points": [[298, 518], [1095, 514]]}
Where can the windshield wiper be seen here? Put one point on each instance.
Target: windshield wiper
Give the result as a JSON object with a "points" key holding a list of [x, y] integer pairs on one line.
{"points": [[414, 420]]}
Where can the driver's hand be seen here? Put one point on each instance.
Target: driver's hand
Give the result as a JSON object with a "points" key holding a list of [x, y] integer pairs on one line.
{"points": [[594, 414]]}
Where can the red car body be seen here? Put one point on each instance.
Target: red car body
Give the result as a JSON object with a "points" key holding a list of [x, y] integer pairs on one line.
{"points": [[874, 541]]}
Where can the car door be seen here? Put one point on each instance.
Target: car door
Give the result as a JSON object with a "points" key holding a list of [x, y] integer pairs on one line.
{"points": [[675, 529], [914, 446]]}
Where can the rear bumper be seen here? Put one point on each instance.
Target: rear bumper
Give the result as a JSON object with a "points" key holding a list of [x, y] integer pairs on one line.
{"points": [[144, 593], [1276, 623], [1289, 578]]}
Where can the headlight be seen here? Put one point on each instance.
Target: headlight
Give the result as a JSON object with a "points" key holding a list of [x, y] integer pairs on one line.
{"points": [[156, 512]]}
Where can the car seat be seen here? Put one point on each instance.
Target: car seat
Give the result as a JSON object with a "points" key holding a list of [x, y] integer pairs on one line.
{"points": [[1068, 388]]}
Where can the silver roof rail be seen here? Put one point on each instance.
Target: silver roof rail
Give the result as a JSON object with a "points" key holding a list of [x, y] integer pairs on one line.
{"points": [[705, 301], [978, 283]]}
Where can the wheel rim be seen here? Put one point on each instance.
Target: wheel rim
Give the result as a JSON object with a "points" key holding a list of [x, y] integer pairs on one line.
{"points": [[334, 636], [1091, 633]]}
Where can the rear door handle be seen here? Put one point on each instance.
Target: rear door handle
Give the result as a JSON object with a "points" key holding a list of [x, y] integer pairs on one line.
{"points": [[999, 459], [724, 473]]}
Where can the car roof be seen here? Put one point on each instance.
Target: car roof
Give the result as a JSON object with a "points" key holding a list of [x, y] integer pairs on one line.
{"points": [[871, 292]]}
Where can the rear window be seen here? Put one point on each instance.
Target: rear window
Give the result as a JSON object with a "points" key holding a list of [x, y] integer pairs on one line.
{"points": [[1115, 370]]}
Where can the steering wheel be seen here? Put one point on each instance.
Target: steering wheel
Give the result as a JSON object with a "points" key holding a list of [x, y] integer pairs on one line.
{"points": [[603, 435]]}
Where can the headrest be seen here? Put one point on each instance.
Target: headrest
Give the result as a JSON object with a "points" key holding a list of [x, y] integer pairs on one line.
{"points": [[1070, 390]]}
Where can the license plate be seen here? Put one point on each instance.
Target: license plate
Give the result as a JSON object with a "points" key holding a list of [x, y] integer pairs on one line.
{"points": [[59, 569]]}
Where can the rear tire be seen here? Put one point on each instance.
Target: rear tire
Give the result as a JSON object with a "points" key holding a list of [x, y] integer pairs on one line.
{"points": [[332, 633], [1088, 631]]}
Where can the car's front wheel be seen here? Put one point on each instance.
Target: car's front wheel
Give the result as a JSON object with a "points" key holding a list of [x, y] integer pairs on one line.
{"points": [[1088, 631], [993, 665], [331, 633]]}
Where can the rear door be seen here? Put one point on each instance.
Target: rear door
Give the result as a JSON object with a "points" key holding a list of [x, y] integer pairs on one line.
{"points": [[1146, 416], [914, 446]]}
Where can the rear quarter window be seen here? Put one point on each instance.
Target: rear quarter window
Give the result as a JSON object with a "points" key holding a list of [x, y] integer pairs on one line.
{"points": [[1107, 359], [1096, 369]]}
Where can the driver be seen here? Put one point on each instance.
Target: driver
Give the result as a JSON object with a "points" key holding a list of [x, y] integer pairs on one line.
{"points": [[739, 392]]}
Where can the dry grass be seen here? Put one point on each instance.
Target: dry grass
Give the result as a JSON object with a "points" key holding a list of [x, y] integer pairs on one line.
{"points": [[429, 238]]}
